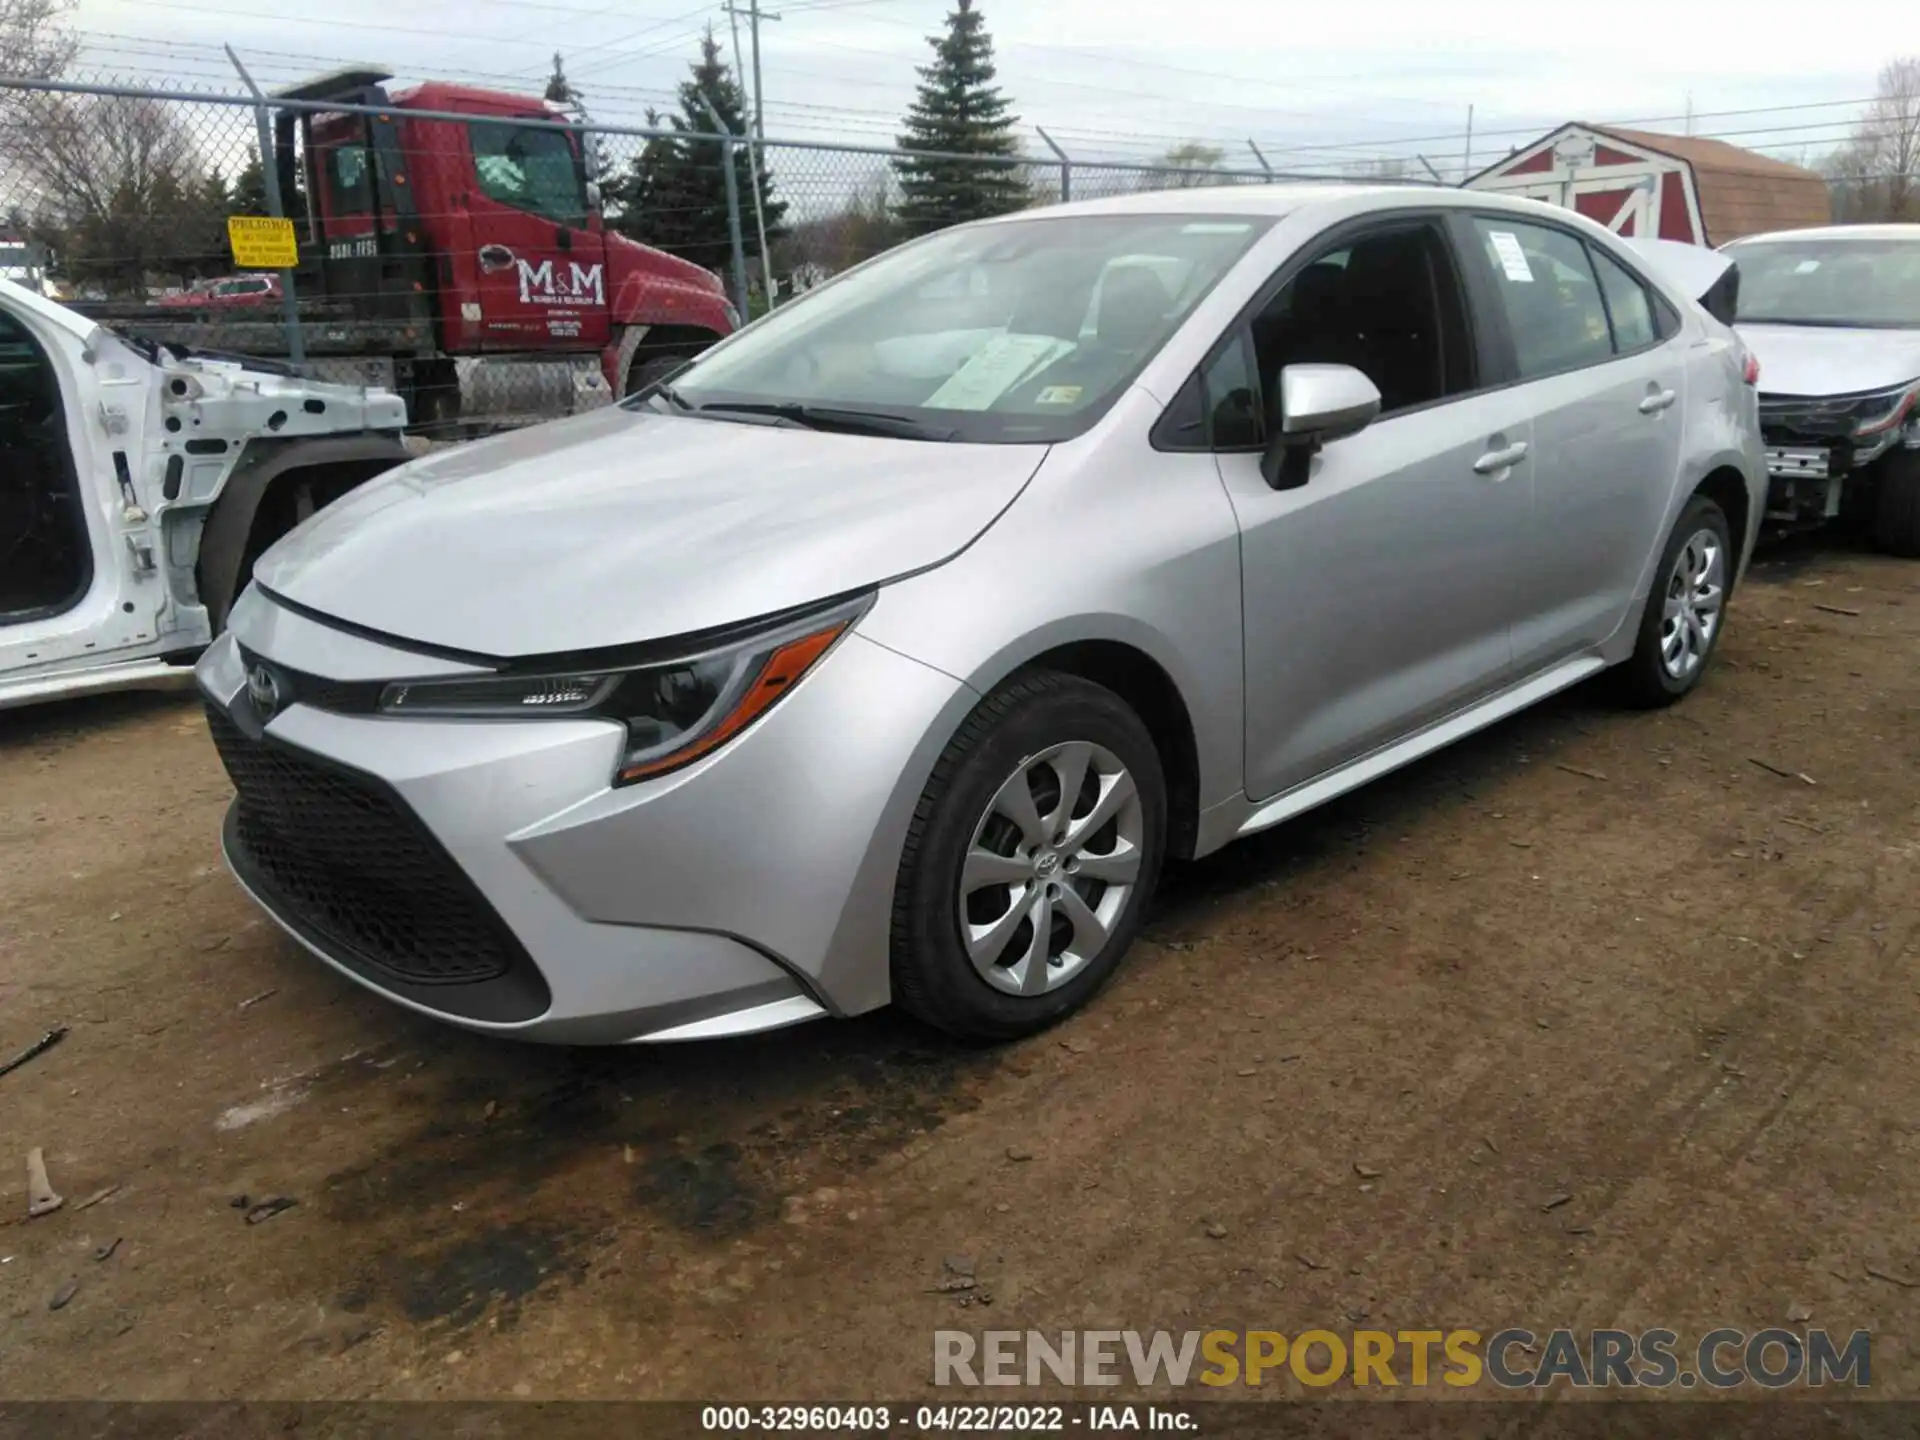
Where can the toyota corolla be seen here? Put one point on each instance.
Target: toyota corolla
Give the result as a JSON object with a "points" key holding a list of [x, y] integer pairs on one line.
{"points": [[888, 651]]}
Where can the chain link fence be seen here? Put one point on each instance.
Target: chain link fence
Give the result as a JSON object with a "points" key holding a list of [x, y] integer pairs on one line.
{"points": [[481, 266]]}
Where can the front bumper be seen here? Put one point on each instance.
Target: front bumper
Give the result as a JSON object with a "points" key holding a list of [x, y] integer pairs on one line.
{"points": [[488, 874]]}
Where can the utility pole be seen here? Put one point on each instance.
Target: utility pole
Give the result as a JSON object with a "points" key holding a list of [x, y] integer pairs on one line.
{"points": [[754, 16], [1466, 154], [756, 144]]}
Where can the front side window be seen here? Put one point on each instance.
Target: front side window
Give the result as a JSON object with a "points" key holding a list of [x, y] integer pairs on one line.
{"points": [[1023, 330], [1863, 283], [1388, 304], [1547, 288], [531, 169]]}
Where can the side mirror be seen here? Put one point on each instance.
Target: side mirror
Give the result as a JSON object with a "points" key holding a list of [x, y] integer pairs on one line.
{"points": [[595, 199], [1318, 405]]}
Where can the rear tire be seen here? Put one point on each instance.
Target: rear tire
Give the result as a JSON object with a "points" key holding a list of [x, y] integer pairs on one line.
{"points": [[1030, 859], [1686, 609], [1896, 511]]}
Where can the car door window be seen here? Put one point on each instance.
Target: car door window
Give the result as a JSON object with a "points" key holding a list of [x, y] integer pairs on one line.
{"points": [[1628, 305], [1387, 303], [531, 169], [1546, 286]]}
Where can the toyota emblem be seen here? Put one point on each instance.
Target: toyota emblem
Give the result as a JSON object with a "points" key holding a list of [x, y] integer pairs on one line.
{"points": [[263, 690]]}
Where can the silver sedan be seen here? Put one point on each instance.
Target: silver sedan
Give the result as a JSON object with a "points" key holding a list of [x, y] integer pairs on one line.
{"points": [[888, 651]]}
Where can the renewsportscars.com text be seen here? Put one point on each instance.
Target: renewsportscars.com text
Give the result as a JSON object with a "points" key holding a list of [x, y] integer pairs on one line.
{"points": [[1509, 1359]]}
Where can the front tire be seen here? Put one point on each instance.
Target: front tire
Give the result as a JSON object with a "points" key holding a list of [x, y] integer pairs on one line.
{"points": [[1029, 861], [1686, 610], [650, 372], [1896, 510]]}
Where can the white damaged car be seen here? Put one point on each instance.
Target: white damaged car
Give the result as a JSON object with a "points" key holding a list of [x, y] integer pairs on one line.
{"points": [[138, 483], [1833, 316]]}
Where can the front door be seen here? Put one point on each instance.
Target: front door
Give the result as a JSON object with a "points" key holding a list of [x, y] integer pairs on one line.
{"points": [[46, 551], [1378, 597], [540, 255], [1606, 382]]}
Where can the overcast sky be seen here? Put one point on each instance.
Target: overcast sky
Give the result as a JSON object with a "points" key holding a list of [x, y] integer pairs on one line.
{"points": [[1312, 84]]}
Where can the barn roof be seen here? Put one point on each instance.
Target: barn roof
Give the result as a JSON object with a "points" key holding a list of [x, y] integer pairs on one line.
{"points": [[1741, 193]]}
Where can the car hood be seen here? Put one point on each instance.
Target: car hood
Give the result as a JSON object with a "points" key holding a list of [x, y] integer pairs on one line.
{"points": [[626, 526], [1831, 360]]}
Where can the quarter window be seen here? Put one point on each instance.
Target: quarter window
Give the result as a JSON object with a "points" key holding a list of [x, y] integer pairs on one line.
{"points": [[1547, 288], [1232, 396], [1627, 303]]}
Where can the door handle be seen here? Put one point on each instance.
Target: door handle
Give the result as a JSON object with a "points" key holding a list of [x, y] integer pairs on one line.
{"points": [[495, 258], [1494, 461], [1657, 402]]}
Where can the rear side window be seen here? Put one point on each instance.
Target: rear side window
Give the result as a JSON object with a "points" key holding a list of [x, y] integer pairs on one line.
{"points": [[349, 181], [1634, 327], [1549, 293]]}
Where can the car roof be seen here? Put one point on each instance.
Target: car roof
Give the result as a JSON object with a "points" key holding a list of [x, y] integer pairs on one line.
{"points": [[1292, 198], [18, 297], [1834, 232]]}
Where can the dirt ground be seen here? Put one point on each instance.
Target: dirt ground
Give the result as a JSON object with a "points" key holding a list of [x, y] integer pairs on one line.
{"points": [[1593, 954]]}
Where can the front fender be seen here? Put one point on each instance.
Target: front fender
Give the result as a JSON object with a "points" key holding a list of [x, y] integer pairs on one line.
{"points": [[223, 541], [645, 299]]}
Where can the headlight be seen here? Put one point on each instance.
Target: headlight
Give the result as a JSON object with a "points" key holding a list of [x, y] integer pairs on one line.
{"points": [[1878, 414], [674, 711]]}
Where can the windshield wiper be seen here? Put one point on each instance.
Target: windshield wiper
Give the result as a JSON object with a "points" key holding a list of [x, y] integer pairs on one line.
{"points": [[833, 418], [664, 390]]}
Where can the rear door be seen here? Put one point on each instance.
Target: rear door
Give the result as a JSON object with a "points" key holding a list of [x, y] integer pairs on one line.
{"points": [[1604, 378], [542, 258]]}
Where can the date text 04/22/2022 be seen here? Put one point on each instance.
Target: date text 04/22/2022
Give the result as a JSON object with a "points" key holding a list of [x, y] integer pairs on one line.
{"points": [[1014, 1419]]}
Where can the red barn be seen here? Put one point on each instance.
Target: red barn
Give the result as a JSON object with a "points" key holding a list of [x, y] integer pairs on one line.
{"points": [[1667, 187]]}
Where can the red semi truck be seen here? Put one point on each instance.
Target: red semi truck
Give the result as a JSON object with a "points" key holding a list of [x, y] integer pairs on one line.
{"points": [[453, 249]]}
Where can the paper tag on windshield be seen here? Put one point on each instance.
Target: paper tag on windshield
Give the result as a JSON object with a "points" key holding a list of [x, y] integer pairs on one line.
{"points": [[1513, 259], [1058, 395], [1806, 267], [995, 368]]}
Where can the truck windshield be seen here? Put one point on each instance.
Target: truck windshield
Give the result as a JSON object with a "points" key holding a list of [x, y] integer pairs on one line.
{"points": [[531, 169], [1862, 282], [1019, 331]]}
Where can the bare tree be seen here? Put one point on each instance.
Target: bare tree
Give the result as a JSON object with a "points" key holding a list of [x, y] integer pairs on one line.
{"points": [[118, 187], [33, 41], [1873, 174], [1187, 165]]}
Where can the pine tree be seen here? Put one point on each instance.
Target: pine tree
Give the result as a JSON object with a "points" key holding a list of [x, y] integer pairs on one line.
{"points": [[959, 110], [674, 194], [560, 90]]}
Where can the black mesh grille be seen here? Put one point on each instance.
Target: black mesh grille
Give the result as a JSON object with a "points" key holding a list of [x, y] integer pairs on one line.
{"points": [[343, 860]]}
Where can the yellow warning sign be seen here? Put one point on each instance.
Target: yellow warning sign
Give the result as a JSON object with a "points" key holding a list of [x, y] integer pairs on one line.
{"points": [[262, 243]]}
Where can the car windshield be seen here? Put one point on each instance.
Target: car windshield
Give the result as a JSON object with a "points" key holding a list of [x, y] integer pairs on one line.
{"points": [[1853, 282], [1018, 331]]}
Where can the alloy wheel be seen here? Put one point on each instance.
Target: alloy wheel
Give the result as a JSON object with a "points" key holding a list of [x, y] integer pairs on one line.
{"points": [[1051, 867], [1695, 592]]}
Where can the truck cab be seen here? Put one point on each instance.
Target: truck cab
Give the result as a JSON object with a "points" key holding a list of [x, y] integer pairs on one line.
{"points": [[472, 214]]}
